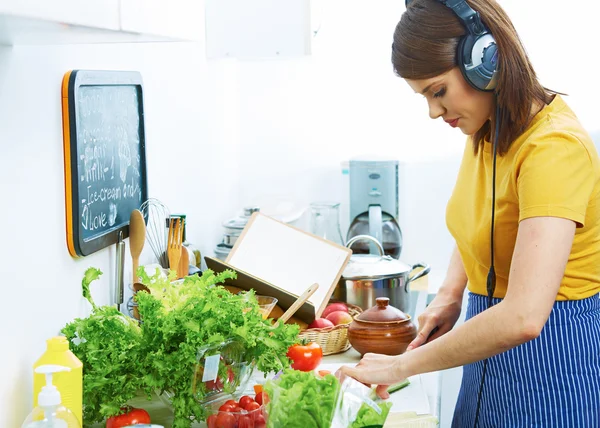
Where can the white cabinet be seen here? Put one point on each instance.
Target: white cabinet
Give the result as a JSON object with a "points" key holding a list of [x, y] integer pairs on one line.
{"points": [[176, 19], [99, 21], [254, 29]]}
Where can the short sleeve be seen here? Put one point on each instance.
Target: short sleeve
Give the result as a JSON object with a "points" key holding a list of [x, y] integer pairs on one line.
{"points": [[555, 178]]}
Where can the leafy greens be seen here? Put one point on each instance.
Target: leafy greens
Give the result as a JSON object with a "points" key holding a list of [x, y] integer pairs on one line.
{"points": [[108, 344], [121, 357]]}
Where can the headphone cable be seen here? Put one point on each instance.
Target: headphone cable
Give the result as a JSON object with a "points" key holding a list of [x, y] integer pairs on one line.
{"points": [[491, 278]]}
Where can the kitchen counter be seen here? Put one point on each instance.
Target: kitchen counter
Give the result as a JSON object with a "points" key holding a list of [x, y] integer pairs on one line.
{"points": [[423, 393]]}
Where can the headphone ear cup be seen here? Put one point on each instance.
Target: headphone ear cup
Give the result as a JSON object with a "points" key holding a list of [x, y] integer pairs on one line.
{"points": [[477, 58]]}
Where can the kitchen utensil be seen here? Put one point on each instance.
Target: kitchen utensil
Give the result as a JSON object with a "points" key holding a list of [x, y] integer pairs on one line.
{"points": [[382, 329], [299, 302], [368, 276], [174, 243], [120, 267], [137, 237], [184, 263], [374, 202], [156, 215], [325, 221]]}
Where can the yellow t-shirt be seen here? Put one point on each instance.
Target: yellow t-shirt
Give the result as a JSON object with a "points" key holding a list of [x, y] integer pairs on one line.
{"points": [[551, 170]]}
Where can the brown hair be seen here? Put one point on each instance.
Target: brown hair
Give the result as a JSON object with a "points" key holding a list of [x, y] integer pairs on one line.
{"points": [[425, 45]]}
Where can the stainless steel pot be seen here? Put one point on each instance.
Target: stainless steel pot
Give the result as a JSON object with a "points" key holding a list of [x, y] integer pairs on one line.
{"points": [[369, 276]]}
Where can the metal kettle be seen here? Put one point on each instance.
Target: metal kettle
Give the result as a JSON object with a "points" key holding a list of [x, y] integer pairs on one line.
{"points": [[379, 225]]}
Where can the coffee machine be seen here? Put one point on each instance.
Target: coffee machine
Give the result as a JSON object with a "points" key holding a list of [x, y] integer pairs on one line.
{"points": [[374, 206]]}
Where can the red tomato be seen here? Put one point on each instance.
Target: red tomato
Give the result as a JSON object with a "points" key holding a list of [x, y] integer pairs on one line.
{"points": [[259, 421], [261, 398], [225, 420], [251, 406], [227, 407], [305, 357], [236, 409], [232, 402], [245, 400], [213, 385], [245, 421], [131, 417], [211, 422]]}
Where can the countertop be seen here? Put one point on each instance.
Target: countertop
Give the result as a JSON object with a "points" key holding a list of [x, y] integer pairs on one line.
{"points": [[423, 393]]}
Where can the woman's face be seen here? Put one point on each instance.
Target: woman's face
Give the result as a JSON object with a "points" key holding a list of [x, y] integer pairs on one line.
{"points": [[460, 105]]}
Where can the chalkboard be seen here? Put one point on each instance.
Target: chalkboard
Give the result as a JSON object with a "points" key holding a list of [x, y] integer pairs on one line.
{"points": [[105, 162]]}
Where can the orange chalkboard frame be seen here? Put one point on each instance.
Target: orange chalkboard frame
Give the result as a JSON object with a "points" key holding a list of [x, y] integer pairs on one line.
{"points": [[72, 82]]}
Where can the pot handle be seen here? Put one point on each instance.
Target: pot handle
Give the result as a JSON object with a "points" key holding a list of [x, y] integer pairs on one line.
{"points": [[416, 276], [366, 238]]}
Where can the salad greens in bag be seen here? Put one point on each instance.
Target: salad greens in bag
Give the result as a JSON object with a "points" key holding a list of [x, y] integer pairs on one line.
{"points": [[304, 400]]}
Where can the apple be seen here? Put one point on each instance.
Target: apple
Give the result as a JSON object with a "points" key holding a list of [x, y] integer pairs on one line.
{"points": [[321, 323], [339, 317], [334, 307]]}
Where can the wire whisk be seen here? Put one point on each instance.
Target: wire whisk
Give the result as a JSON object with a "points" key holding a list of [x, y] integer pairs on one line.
{"points": [[156, 214]]}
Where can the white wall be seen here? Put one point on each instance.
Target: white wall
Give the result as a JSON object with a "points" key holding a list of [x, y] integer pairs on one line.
{"points": [[225, 134]]}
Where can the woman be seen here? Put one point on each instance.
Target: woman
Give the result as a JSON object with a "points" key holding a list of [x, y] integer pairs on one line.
{"points": [[541, 336]]}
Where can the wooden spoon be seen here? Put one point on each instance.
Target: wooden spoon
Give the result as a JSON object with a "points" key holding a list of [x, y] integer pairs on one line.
{"points": [[137, 238], [299, 302], [184, 263]]}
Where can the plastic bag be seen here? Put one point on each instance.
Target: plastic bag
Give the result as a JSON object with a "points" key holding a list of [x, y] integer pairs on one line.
{"points": [[304, 400], [356, 408]]}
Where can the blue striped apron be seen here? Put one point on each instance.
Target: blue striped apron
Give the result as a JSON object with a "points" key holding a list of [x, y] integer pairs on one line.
{"points": [[552, 381]]}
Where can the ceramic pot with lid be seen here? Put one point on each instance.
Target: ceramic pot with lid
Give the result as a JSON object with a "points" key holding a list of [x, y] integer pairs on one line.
{"points": [[382, 329], [369, 276]]}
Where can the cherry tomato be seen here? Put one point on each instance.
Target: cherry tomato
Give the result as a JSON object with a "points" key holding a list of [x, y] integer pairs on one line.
{"points": [[259, 421], [227, 407], [132, 416], [236, 409], [211, 422], [244, 400], [225, 420], [261, 398], [246, 421], [251, 406], [231, 402], [305, 357]]}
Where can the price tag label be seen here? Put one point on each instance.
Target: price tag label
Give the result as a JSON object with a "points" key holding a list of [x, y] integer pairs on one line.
{"points": [[211, 368]]}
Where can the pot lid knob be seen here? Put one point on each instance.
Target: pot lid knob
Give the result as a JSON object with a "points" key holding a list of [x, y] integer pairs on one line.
{"points": [[383, 312], [382, 302]]}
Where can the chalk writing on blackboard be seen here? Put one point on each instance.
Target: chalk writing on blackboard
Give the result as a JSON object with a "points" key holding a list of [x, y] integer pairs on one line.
{"points": [[109, 159], [106, 147]]}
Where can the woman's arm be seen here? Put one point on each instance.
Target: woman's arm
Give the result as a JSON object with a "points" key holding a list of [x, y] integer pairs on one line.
{"points": [[444, 310], [541, 253]]}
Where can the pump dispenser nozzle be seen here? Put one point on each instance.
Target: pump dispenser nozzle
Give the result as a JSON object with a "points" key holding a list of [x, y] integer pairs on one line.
{"points": [[50, 396]]}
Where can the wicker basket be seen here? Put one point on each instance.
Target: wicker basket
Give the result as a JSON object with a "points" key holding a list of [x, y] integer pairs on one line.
{"points": [[332, 340]]}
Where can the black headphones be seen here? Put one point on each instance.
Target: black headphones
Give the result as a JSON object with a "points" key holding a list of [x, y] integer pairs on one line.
{"points": [[477, 53]]}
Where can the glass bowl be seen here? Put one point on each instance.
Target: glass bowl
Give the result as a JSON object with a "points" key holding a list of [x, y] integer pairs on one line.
{"points": [[228, 412], [266, 305]]}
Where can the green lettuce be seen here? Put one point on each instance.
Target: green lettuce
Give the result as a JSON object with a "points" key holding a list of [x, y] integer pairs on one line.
{"points": [[301, 400], [179, 318], [108, 345], [367, 417]]}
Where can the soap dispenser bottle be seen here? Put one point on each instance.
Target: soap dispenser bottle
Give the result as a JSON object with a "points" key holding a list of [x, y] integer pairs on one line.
{"points": [[50, 413], [69, 384]]}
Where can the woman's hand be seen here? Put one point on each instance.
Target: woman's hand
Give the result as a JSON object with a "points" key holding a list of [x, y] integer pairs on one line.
{"points": [[375, 369], [438, 319]]}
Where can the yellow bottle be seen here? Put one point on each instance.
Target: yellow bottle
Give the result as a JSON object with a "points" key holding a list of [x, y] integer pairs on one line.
{"points": [[69, 384]]}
